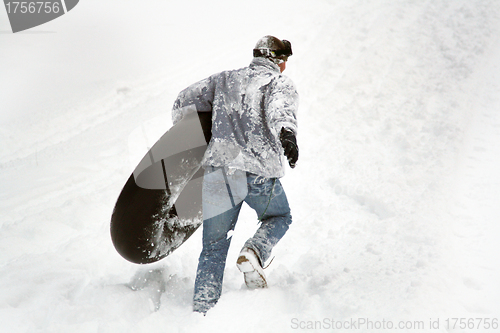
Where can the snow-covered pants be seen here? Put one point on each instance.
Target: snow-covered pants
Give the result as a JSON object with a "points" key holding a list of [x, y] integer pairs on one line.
{"points": [[223, 196]]}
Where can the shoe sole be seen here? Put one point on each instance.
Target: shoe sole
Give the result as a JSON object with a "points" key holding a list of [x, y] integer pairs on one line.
{"points": [[254, 279]]}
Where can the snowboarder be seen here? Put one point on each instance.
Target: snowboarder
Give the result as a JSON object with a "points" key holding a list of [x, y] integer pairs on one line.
{"points": [[254, 127]]}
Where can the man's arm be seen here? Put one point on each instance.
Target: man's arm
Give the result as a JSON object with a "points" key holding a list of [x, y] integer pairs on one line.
{"points": [[196, 97], [283, 106]]}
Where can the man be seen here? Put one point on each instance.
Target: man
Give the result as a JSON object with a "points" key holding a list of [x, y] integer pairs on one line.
{"points": [[254, 127]]}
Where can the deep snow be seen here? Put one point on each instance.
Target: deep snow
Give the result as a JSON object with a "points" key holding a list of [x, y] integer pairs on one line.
{"points": [[395, 198]]}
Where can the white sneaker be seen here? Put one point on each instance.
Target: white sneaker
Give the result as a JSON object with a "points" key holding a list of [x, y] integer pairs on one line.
{"points": [[249, 265]]}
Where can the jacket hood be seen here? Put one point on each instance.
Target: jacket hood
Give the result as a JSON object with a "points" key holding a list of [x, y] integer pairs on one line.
{"points": [[264, 62]]}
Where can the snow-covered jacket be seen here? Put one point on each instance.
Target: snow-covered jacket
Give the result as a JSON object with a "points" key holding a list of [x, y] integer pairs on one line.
{"points": [[249, 107]]}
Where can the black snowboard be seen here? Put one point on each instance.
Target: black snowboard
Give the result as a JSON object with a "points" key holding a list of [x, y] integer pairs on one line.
{"points": [[160, 206]]}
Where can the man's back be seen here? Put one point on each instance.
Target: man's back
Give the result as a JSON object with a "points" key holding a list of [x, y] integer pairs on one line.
{"points": [[250, 106]]}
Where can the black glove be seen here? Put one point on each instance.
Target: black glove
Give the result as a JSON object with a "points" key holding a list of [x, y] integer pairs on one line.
{"points": [[289, 143]]}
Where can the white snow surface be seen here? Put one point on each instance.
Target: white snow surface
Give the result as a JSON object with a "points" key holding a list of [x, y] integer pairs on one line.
{"points": [[395, 199]]}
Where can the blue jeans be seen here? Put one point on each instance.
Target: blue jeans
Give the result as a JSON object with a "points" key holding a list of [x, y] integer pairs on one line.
{"points": [[223, 196]]}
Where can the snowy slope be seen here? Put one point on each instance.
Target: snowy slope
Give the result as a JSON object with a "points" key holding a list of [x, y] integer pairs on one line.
{"points": [[395, 198]]}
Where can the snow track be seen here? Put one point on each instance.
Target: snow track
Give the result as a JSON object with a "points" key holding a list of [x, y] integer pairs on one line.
{"points": [[395, 198]]}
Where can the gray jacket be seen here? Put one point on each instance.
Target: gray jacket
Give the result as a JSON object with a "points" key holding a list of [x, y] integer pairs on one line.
{"points": [[250, 106]]}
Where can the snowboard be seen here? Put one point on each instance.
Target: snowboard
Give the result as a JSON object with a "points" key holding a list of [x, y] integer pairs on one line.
{"points": [[160, 205]]}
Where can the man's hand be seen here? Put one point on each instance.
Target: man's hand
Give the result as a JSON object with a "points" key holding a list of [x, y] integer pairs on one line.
{"points": [[289, 143]]}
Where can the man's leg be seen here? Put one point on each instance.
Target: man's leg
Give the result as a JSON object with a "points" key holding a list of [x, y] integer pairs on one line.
{"points": [[212, 261], [267, 197], [221, 206]]}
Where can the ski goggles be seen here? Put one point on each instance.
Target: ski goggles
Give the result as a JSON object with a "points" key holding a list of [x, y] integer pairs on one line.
{"points": [[282, 54], [285, 53]]}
